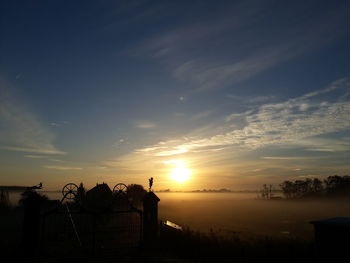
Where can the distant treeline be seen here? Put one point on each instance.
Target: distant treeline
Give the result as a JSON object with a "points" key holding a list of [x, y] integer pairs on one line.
{"points": [[332, 186]]}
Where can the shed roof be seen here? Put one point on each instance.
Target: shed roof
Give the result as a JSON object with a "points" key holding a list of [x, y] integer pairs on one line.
{"points": [[150, 196]]}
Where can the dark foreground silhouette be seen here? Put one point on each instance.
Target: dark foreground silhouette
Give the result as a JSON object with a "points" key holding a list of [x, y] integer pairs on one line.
{"points": [[104, 225]]}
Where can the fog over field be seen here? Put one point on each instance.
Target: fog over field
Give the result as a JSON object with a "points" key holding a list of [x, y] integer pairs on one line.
{"points": [[242, 213], [228, 213]]}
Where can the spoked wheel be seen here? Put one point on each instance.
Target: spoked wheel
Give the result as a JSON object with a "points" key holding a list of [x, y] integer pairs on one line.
{"points": [[120, 188], [70, 191]]}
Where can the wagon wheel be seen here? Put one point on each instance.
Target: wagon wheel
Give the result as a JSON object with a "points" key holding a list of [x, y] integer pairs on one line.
{"points": [[120, 188], [70, 191]]}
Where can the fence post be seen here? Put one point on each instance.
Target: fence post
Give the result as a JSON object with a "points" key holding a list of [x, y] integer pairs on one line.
{"points": [[150, 217], [31, 225]]}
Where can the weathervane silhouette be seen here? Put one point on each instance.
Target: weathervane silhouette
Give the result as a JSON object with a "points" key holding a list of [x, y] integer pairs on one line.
{"points": [[150, 183]]}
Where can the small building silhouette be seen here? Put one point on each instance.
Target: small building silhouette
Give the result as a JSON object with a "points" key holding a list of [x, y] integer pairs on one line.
{"points": [[99, 198], [332, 239]]}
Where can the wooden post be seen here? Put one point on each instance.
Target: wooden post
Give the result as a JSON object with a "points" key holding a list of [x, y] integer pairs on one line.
{"points": [[150, 217], [31, 225]]}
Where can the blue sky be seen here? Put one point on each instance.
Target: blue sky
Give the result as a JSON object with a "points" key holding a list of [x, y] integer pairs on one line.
{"points": [[241, 92]]}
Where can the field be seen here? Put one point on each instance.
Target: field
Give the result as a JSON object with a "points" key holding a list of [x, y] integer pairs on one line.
{"points": [[241, 214]]}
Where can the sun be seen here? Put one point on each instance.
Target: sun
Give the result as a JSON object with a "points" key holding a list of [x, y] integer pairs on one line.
{"points": [[178, 173]]}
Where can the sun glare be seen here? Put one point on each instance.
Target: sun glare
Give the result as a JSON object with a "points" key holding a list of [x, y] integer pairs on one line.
{"points": [[179, 173]]}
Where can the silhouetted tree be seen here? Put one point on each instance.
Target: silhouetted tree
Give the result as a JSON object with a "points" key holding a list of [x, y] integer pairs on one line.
{"points": [[288, 189], [337, 185], [303, 187], [81, 193], [317, 186], [135, 193], [266, 191], [332, 186], [299, 188], [33, 197]]}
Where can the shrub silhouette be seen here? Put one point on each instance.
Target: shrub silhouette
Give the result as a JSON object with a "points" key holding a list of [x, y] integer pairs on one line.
{"points": [[136, 193]]}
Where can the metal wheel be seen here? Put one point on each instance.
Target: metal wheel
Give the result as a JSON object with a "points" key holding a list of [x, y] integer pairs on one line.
{"points": [[120, 188], [70, 191]]}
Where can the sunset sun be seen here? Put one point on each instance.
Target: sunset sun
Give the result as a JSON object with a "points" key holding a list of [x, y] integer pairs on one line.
{"points": [[179, 172]]}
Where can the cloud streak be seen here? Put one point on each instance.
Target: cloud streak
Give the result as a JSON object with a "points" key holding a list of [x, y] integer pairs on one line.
{"points": [[144, 125], [62, 168], [20, 128], [288, 122], [188, 50], [32, 156]]}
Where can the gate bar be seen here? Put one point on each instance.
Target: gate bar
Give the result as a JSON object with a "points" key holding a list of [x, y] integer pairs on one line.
{"points": [[75, 230]]}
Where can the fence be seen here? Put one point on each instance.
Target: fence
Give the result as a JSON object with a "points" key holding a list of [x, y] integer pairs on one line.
{"points": [[100, 223], [71, 230]]}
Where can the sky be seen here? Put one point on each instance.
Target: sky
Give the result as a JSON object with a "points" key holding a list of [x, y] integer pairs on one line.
{"points": [[196, 94]]}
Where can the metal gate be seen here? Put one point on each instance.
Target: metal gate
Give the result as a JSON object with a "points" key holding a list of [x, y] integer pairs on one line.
{"points": [[71, 230]]}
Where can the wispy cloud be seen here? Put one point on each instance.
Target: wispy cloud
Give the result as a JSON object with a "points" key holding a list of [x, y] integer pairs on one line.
{"points": [[56, 160], [35, 156], [21, 129], [188, 50], [144, 125], [62, 168], [246, 99], [32, 148], [202, 115], [287, 158], [58, 123], [206, 75], [288, 122], [325, 144]]}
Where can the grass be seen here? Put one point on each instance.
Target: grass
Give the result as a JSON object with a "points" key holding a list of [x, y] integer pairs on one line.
{"points": [[194, 246]]}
